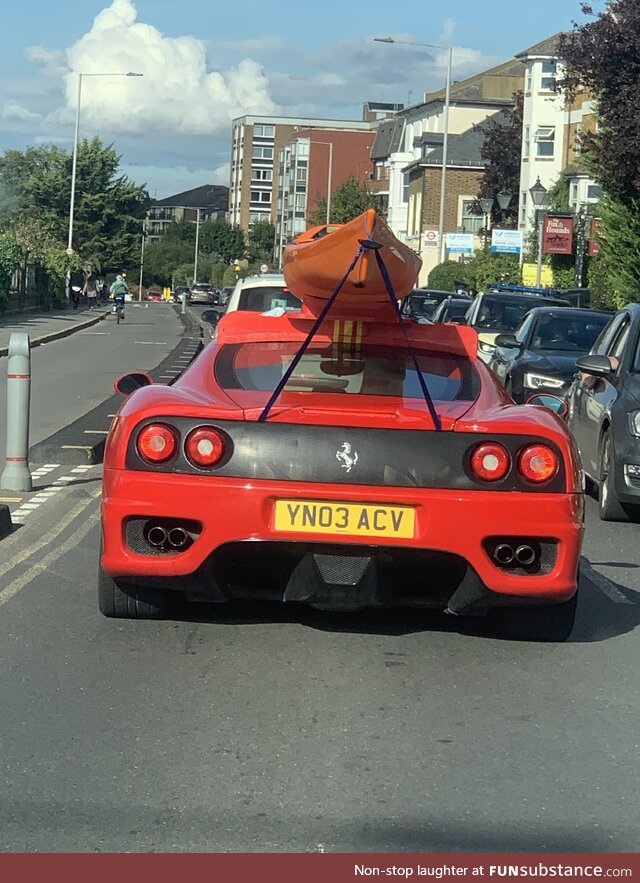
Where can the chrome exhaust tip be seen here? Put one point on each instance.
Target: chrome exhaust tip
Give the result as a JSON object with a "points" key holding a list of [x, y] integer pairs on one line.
{"points": [[525, 555], [156, 536], [503, 554], [178, 537]]}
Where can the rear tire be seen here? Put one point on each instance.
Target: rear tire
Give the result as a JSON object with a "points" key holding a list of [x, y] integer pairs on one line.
{"points": [[609, 506], [551, 623], [119, 601]]}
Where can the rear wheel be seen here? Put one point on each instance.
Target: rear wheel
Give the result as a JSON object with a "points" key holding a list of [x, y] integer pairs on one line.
{"points": [[609, 506], [120, 601], [552, 623]]}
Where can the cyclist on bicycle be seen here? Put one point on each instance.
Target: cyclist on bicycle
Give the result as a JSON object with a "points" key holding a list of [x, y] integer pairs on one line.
{"points": [[119, 289]]}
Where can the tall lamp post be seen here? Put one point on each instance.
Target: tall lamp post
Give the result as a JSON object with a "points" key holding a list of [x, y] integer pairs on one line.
{"points": [[195, 258], [538, 195], [75, 148], [486, 204], [144, 233], [445, 141]]}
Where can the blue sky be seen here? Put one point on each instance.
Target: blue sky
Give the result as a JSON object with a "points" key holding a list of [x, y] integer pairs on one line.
{"points": [[206, 62]]}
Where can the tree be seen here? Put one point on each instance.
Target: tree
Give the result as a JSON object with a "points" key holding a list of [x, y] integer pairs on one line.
{"points": [[350, 199], [602, 56], [260, 243], [108, 207], [9, 259], [502, 151], [222, 240]]}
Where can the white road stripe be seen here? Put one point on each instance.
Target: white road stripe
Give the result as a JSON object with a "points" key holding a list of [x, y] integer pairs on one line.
{"points": [[48, 537], [44, 563], [603, 584]]}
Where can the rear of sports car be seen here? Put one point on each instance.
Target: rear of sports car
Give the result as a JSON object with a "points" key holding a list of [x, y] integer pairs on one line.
{"points": [[347, 495]]}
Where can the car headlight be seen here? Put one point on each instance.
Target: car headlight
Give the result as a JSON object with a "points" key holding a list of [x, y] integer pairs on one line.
{"points": [[539, 381], [634, 423], [486, 347]]}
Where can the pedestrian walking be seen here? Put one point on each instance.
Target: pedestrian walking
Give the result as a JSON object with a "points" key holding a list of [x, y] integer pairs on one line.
{"points": [[91, 290], [76, 284]]}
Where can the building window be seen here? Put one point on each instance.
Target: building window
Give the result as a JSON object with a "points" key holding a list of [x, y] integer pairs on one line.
{"points": [[545, 142], [263, 131], [301, 175], [471, 221], [262, 152], [526, 141], [573, 197], [529, 80], [594, 193], [405, 187], [548, 80], [265, 175], [523, 208], [265, 196]]}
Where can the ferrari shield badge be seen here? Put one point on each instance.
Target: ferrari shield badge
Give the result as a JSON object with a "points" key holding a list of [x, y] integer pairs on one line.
{"points": [[346, 456]]}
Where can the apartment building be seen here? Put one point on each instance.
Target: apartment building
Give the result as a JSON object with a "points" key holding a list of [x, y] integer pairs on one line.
{"points": [[315, 163], [551, 128], [261, 143], [211, 199]]}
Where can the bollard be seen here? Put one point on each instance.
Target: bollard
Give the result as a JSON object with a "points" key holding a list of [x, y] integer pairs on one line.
{"points": [[16, 475], [184, 302]]}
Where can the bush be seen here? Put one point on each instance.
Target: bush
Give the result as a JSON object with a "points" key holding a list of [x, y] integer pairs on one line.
{"points": [[217, 274], [491, 268], [229, 277], [444, 276]]}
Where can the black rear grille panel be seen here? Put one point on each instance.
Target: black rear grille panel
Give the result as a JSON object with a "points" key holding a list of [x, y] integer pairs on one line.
{"points": [[262, 570], [385, 457]]}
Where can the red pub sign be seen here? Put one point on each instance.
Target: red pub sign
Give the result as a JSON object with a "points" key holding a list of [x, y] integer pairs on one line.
{"points": [[594, 245], [557, 235]]}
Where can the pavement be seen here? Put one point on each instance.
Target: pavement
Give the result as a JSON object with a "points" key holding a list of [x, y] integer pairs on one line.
{"points": [[48, 326]]}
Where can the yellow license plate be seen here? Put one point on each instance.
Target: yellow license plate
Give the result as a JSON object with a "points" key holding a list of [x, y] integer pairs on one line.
{"points": [[344, 519]]}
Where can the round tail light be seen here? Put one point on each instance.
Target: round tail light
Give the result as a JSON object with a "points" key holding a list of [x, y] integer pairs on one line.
{"points": [[490, 462], [157, 443], [204, 446], [538, 463]]}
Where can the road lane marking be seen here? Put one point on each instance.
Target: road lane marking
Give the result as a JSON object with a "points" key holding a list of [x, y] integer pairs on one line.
{"points": [[152, 342], [10, 499], [51, 535], [36, 569], [96, 432], [603, 584]]}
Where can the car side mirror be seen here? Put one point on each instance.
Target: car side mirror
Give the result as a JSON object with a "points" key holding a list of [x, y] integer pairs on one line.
{"points": [[597, 366], [553, 403], [508, 341], [129, 383]]}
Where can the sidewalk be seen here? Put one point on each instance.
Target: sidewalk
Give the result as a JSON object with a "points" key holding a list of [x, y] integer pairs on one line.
{"points": [[46, 326]]}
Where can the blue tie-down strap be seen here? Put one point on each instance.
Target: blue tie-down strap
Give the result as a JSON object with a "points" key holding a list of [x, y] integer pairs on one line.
{"points": [[314, 330], [423, 386]]}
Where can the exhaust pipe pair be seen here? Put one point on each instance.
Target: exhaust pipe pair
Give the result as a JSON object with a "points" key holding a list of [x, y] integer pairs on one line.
{"points": [[159, 537], [523, 555]]}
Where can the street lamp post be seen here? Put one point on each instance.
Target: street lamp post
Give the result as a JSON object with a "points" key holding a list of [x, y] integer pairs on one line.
{"points": [[195, 259], [74, 164], [144, 231], [486, 204], [538, 195], [445, 140]]}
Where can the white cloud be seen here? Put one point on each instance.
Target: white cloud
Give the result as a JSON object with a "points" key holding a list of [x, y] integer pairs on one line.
{"points": [[51, 60], [14, 111], [178, 94]]}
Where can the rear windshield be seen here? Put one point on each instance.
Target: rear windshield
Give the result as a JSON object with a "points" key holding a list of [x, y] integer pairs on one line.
{"points": [[424, 304], [377, 371], [500, 312], [268, 297]]}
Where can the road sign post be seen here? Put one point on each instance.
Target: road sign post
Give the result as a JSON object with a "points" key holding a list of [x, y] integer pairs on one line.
{"points": [[16, 475]]}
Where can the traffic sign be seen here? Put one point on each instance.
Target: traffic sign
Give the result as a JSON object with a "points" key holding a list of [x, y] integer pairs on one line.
{"points": [[264, 268], [431, 237]]}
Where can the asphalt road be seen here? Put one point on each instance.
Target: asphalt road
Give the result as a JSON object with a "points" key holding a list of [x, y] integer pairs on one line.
{"points": [[257, 728]]}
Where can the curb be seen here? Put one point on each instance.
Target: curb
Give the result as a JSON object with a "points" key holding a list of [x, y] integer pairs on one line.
{"points": [[58, 335], [6, 525], [70, 446]]}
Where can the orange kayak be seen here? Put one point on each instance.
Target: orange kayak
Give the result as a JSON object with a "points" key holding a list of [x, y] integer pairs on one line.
{"points": [[315, 262]]}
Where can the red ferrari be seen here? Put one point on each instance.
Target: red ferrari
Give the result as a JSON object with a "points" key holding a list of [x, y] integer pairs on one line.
{"points": [[389, 469]]}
